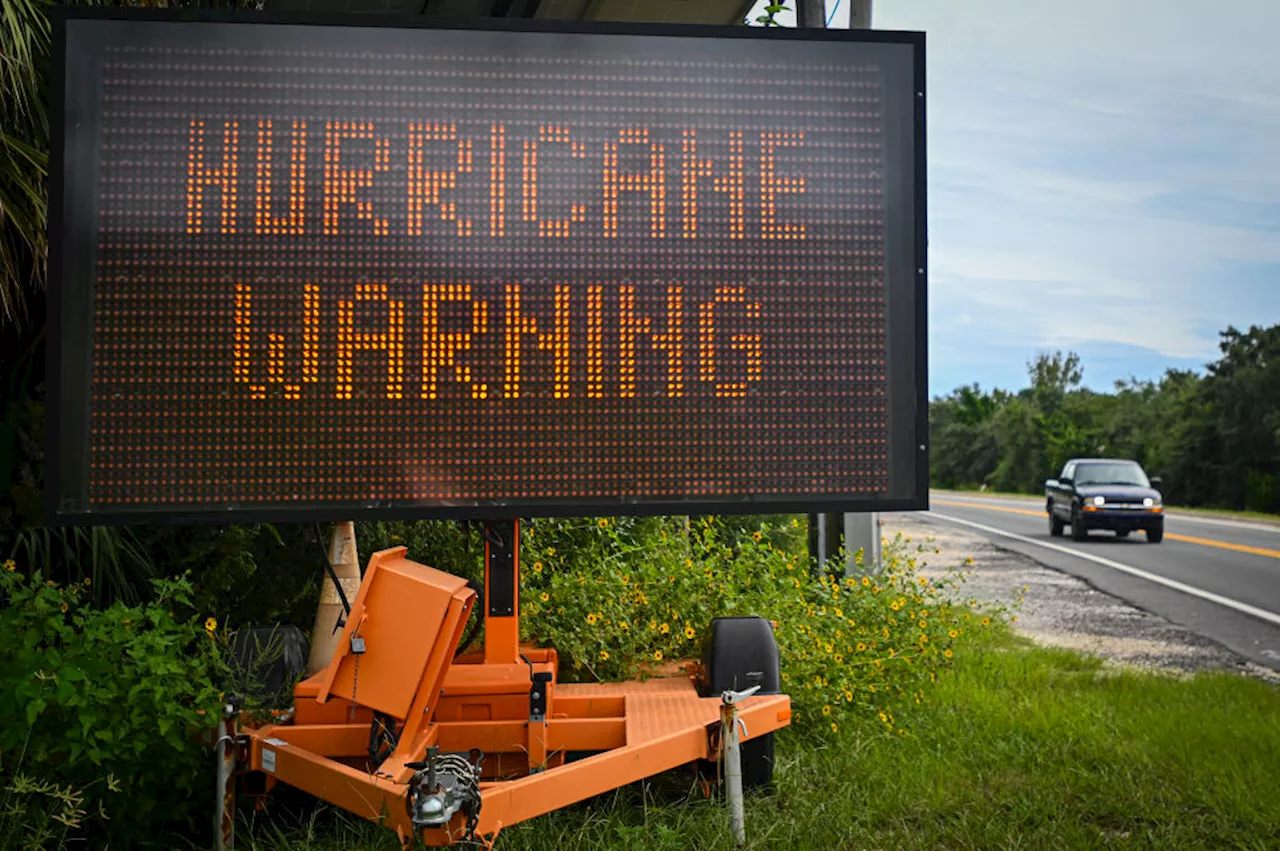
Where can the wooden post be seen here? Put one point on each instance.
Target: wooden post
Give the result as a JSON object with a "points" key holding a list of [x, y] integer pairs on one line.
{"points": [[346, 564]]}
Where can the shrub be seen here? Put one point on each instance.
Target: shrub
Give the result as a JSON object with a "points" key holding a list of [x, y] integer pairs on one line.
{"points": [[113, 699], [624, 597]]}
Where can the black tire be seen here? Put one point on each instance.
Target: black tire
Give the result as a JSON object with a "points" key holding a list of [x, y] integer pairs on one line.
{"points": [[740, 653], [1055, 525], [1122, 533], [1155, 534], [1079, 531]]}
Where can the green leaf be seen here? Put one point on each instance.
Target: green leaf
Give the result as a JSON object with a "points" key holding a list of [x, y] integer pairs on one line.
{"points": [[34, 708]]}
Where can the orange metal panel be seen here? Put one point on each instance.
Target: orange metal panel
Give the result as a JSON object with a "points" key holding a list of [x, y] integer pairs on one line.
{"points": [[358, 792], [399, 612], [507, 678], [331, 740], [582, 706], [416, 736], [568, 734]]}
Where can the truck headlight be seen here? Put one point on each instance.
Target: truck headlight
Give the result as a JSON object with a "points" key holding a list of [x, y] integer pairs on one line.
{"points": [[1149, 502], [1099, 500]]}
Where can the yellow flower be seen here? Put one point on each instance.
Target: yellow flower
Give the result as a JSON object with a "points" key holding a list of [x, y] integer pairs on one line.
{"points": [[953, 633], [969, 560], [755, 536], [689, 632], [947, 653], [1025, 589], [835, 728], [986, 621], [861, 647], [604, 655], [211, 624], [657, 654], [839, 658], [10, 565], [826, 709], [604, 521], [924, 613], [1014, 618], [866, 582], [884, 718], [624, 625], [591, 618], [63, 606], [664, 629], [653, 624], [544, 596], [829, 647], [537, 567], [923, 582], [924, 639]]}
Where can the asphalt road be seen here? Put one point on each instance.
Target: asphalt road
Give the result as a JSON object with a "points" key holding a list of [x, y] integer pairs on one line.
{"points": [[1218, 578]]}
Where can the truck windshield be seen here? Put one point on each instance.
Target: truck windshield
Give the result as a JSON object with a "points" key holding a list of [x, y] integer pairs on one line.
{"points": [[1111, 474]]}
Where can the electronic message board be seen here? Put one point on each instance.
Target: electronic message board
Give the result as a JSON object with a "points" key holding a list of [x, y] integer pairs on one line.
{"points": [[325, 269]]}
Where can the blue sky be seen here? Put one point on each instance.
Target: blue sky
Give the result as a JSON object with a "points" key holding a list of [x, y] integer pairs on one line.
{"points": [[1104, 177]]}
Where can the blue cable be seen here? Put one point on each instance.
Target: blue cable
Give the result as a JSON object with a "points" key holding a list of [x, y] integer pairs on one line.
{"points": [[832, 16]]}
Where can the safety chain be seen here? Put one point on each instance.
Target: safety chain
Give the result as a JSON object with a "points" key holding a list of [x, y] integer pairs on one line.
{"points": [[355, 675], [465, 772]]}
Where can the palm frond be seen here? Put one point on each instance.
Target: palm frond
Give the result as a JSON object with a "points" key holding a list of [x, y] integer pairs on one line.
{"points": [[24, 142]]}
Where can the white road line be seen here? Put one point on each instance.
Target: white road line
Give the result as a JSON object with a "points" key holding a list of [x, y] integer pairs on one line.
{"points": [[1254, 611], [1175, 513]]}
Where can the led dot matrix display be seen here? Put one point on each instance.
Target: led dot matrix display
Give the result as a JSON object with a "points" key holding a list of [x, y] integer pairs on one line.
{"points": [[323, 270]]}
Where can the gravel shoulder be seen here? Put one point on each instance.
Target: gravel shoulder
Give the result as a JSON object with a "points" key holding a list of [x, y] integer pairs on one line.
{"points": [[1059, 610]]}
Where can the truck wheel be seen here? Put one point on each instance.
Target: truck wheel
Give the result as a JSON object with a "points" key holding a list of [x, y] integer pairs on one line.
{"points": [[1079, 531], [1155, 534], [1055, 525], [1122, 533], [740, 653]]}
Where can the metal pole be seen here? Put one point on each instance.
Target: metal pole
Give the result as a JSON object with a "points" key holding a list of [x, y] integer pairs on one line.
{"points": [[729, 725], [224, 821]]}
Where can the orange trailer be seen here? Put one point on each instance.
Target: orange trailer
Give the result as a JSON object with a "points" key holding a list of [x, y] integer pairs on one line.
{"points": [[402, 730]]}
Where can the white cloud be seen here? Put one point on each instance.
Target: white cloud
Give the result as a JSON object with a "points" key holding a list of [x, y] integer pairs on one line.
{"points": [[1100, 171]]}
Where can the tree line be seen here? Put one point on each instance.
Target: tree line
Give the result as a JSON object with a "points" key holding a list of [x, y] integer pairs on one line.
{"points": [[1214, 438]]}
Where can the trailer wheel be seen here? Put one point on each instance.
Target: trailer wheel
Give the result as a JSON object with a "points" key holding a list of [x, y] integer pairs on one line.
{"points": [[740, 653]]}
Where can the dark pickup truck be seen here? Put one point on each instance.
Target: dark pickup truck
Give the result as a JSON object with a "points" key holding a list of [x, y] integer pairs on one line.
{"points": [[1104, 493]]}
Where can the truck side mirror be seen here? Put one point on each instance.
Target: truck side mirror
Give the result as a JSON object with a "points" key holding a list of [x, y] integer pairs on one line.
{"points": [[1066, 481], [1157, 482]]}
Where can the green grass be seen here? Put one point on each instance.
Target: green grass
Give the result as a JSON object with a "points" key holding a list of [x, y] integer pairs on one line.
{"points": [[1020, 748], [1226, 513]]}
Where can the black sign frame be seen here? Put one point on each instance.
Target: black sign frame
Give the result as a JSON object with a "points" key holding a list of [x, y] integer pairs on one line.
{"points": [[67, 432]]}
